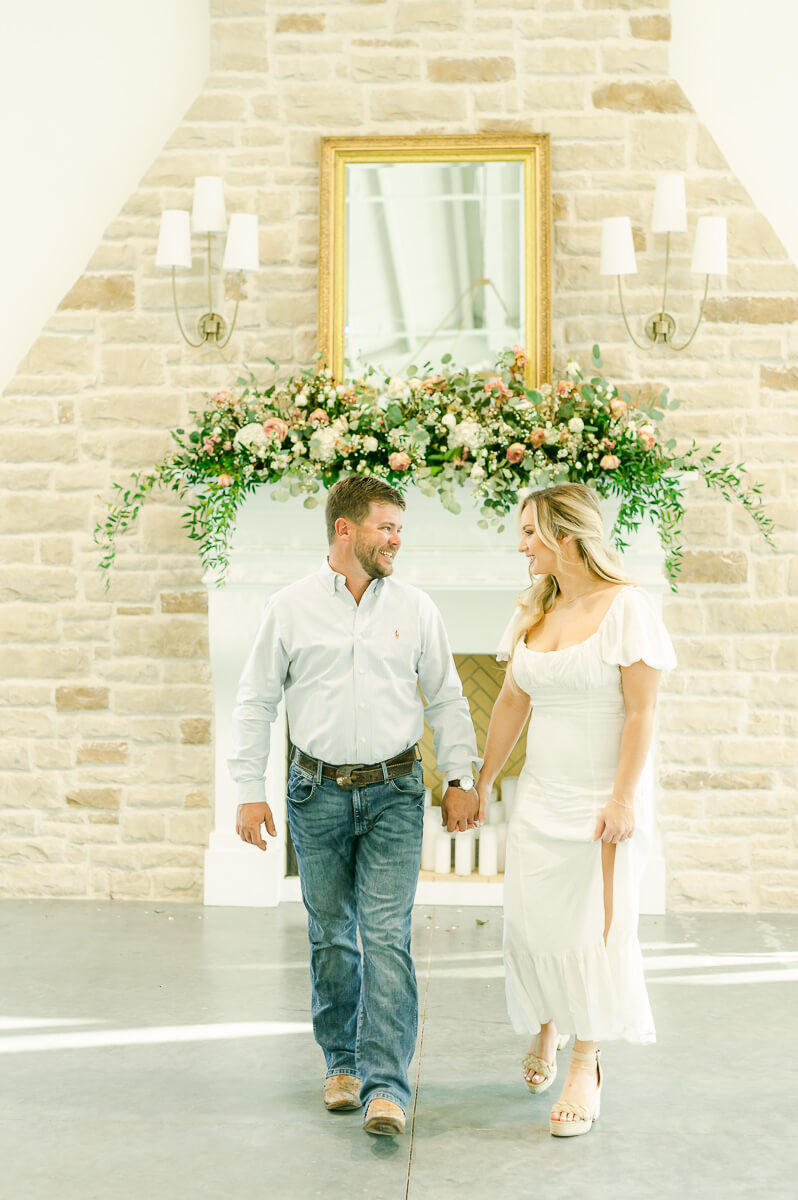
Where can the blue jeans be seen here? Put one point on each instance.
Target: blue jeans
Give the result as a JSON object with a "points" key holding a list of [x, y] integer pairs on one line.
{"points": [[359, 854]]}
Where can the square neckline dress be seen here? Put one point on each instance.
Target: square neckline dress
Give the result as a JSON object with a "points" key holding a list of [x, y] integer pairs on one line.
{"points": [[557, 966]]}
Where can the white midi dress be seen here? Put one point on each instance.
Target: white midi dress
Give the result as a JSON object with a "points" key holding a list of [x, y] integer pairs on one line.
{"points": [[557, 966]]}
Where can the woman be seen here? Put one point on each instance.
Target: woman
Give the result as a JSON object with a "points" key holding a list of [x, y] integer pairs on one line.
{"points": [[585, 651]]}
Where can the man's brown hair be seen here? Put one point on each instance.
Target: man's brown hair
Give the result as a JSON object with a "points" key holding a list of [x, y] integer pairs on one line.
{"points": [[353, 497]]}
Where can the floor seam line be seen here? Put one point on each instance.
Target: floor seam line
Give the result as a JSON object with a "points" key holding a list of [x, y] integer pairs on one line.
{"points": [[420, 1056]]}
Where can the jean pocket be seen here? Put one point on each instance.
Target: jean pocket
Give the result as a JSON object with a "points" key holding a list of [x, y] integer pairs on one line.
{"points": [[411, 785], [301, 785]]}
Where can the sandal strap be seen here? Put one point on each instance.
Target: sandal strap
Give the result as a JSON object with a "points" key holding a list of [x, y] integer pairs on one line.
{"points": [[539, 1066], [578, 1110], [589, 1058]]}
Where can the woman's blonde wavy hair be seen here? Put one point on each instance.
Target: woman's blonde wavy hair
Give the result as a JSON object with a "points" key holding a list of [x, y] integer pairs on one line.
{"points": [[566, 508]]}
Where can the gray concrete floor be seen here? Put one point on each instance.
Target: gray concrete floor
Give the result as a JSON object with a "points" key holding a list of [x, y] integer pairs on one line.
{"points": [[91, 1109]]}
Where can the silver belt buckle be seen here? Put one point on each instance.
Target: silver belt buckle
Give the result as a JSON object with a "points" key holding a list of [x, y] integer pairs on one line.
{"points": [[343, 776]]}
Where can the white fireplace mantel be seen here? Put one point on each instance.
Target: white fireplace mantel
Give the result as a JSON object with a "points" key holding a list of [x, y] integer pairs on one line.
{"points": [[472, 574]]}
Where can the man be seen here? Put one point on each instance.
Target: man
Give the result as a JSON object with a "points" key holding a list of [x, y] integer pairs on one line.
{"points": [[349, 648]]}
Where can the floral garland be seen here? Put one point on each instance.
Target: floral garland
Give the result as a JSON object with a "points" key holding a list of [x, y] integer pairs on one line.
{"points": [[493, 434]]}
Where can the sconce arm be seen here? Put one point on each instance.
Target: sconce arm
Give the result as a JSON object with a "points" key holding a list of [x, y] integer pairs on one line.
{"points": [[698, 322], [186, 338], [640, 345], [222, 345]]}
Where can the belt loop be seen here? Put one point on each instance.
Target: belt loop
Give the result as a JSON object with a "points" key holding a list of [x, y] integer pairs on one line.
{"points": [[319, 769], [385, 775]]}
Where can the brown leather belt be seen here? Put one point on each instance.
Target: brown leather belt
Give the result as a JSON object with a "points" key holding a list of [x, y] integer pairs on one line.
{"points": [[355, 775]]}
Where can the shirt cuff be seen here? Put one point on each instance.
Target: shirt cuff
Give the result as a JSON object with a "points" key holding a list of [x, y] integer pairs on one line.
{"points": [[251, 791], [470, 768]]}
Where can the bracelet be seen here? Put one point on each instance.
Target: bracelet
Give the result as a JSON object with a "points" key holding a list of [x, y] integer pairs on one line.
{"points": [[614, 801]]}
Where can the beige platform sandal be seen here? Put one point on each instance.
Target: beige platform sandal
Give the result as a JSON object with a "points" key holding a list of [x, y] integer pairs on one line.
{"points": [[539, 1066], [586, 1116]]}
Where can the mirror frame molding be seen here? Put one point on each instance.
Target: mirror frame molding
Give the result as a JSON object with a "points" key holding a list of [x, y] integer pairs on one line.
{"points": [[531, 149]]}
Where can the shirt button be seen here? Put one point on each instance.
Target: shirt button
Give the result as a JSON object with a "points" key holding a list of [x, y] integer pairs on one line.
{"points": [[362, 706], [362, 739]]}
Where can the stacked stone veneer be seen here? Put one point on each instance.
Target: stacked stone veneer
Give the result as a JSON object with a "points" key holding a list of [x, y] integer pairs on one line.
{"points": [[105, 725]]}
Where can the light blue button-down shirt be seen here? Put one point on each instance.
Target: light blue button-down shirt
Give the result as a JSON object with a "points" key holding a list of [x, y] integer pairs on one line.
{"points": [[350, 674]]}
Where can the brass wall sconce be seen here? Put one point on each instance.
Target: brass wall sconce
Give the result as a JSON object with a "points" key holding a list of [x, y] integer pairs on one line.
{"points": [[670, 216], [208, 217]]}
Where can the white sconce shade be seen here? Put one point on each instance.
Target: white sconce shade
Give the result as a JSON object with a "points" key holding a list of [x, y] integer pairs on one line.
{"points": [[174, 239], [670, 205], [208, 212], [617, 247], [709, 254], [241, 251]]}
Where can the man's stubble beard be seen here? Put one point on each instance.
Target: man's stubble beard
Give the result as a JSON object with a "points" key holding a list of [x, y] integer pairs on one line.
{"points": [[369, 559]]}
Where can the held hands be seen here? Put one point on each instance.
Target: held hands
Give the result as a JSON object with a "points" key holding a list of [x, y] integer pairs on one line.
{"points": [[616, 823], [459, 809], [483, 791], [249, 818]]}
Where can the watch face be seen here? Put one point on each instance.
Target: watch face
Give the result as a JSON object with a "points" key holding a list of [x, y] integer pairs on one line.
{"points": [[466, 783]]}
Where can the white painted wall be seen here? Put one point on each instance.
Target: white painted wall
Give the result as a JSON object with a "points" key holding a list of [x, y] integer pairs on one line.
{"points": [[78, 77], [89, 92], [736, 61]]}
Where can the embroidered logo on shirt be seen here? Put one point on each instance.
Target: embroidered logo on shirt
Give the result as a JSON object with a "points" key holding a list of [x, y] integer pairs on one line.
{"points": [[396, 633]]}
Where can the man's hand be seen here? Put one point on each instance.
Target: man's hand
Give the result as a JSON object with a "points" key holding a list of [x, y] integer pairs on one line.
{"points": [[249, 819], [459, 809]]}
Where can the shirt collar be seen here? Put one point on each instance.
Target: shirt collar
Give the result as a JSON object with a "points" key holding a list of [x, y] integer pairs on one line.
{"points": [[333, 581]]}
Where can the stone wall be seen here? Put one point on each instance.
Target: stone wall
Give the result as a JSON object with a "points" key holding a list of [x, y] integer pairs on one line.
{"points": [[105, 730]]}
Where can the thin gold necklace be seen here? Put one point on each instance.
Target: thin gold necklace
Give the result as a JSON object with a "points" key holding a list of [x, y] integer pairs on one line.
{"points": [[571, 603]]}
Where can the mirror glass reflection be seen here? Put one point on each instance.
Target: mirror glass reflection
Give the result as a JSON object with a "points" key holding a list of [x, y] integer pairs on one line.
{"points": [[434, 263]]}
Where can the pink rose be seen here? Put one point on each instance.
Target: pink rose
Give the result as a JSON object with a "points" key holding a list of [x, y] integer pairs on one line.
{"points": [[647, 436], [565, 388], [319, 417], [537, 437], [224, 480], [609, 462], [222, 398], [515, 452], [398, 461], [277, 427], [497, 385], [618, 408]]}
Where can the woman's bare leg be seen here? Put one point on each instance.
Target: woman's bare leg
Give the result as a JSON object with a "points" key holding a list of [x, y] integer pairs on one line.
{"points": [[544, 1045]]}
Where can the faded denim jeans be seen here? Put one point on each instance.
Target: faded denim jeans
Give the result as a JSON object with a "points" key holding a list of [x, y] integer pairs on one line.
{"points": [[359, 854]]}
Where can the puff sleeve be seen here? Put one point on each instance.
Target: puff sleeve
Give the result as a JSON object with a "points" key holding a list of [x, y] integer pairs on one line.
{"points": [[634, 631], [508, 639]]}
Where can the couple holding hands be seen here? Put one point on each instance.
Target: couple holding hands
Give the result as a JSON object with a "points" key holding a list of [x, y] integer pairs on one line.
{"points": [[349, 648]]}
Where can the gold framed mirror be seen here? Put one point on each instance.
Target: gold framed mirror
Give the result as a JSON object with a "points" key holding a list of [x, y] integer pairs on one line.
{"points": [[434, 246]]}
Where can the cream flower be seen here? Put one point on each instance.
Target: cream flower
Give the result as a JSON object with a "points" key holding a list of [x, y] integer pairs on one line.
{"points": [[609, 462], [251, 435]]}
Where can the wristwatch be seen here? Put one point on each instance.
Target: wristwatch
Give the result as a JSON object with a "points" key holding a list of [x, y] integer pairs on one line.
{"points": [[466, 782]]}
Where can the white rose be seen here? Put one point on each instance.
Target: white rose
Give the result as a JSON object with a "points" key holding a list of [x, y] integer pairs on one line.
{"points": [[370, 444], [322, 444], [467, 433], [251, 435], [449, 420], [397, 389], [552, 437], [477, 474], [576, 424]]}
